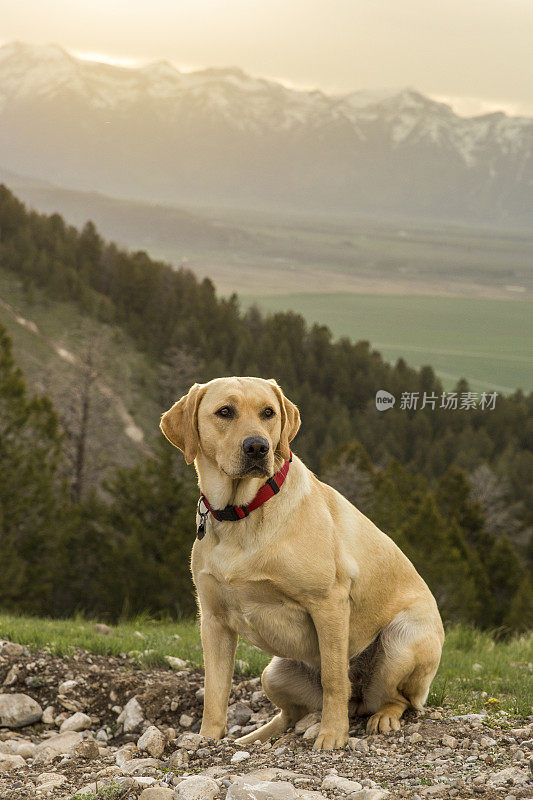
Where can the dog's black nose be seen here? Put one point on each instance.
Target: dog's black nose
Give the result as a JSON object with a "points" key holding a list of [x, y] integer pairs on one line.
{"points": [[255, 446]]}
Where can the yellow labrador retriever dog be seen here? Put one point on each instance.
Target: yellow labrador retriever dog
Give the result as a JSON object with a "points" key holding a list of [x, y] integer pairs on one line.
{"points": [[287, 563]]}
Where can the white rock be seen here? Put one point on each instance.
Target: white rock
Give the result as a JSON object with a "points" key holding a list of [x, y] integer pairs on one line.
{"points": [[339, 784], [264, 774], [132, 715], [487, 741], [176, 663], [370, 794], [197, 787], [250, 789], [144, 780], [470, 717], [91, 788], [190, 741], [11, 649], [510, 775], [50, 780], [49, 715], [12, 676], [102, 629], [186, 721], [449, 741], [77, 722], [157, 793], [9, 762], [137, 766], [178, 758], [260, 785], [88, 749], [303, 724], [25, 749], [18, 710], [66, 686], [152, 741], [240, 755], [17, 747], [358, 745], [522, 733], [312, 731], [436, 789], [124, 754], [56, 746]]}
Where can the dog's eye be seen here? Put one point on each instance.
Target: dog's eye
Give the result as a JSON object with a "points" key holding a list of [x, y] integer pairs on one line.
{"points": [[268, 412], [225, 411]]}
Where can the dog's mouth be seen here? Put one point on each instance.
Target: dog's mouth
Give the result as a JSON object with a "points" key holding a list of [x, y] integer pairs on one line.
{"points": [[249, 471], [257, 471]]}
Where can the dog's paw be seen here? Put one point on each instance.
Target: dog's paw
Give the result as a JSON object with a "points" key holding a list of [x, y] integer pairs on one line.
{"points": [[330, 740], [383, 722], [212, 732], [250, 738]]}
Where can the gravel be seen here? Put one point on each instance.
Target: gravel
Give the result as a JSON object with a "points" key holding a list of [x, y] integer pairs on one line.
{"points": [[109, 723]]}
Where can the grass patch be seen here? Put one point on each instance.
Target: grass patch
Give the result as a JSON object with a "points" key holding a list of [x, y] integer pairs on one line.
{"points": [[476, 671], [148, 641]]}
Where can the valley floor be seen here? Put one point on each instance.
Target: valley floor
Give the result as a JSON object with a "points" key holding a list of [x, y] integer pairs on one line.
{"points": [[483, 340]]}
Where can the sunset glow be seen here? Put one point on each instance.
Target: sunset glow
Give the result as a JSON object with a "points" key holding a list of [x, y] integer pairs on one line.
{"points": [[475, 56]]}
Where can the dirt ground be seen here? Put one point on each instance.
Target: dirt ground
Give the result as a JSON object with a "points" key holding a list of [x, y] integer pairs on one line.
{"points": [[438, 754]]}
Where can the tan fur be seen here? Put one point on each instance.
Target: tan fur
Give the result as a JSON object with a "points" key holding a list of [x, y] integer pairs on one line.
{"points": [[306, 577]]}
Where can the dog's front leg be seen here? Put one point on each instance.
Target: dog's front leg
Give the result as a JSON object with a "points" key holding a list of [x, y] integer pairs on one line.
{"points": [[219, 644], [331, 620]]}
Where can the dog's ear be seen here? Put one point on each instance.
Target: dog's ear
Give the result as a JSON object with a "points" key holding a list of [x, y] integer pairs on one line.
{"points": [[180, 423], [290, 421]]}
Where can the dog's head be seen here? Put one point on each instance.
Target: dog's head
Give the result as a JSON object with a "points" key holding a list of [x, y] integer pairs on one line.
{"points": [[244, 425]]}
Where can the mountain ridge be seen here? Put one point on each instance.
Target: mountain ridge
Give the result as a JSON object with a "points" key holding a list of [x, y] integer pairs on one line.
{"points": [[219, 134]]}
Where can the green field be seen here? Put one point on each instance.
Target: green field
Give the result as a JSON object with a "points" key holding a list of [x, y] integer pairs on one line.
{"points": [[475, 670], [484, 340]]}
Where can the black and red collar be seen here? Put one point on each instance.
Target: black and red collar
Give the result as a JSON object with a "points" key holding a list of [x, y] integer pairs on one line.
{"points": [[235, 513]]}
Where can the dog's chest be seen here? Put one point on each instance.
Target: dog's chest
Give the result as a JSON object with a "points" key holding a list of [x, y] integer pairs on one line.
{"points": [[257, 608], [273, 623]]}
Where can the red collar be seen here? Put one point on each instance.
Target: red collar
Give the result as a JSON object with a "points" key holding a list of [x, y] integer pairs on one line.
{"points": [[235, 513]]}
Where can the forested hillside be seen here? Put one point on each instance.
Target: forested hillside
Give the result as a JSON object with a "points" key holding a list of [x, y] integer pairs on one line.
{"points": [[453, 487]]}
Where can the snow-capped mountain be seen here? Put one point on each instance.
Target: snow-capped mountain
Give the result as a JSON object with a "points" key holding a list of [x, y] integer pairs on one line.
{"points": [[222, 136]]}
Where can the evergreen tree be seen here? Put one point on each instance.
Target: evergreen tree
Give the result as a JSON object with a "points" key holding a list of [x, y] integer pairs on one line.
{"points": [[506, 576], [32, 499], [520, 616], [427, 541], [148, 527]]}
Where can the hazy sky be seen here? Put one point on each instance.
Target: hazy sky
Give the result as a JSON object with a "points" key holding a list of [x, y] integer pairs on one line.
{"points": [[478, 53]]}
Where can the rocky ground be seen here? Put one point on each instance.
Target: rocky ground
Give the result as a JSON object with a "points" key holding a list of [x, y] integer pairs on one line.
{"points": [[104, 727]]}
